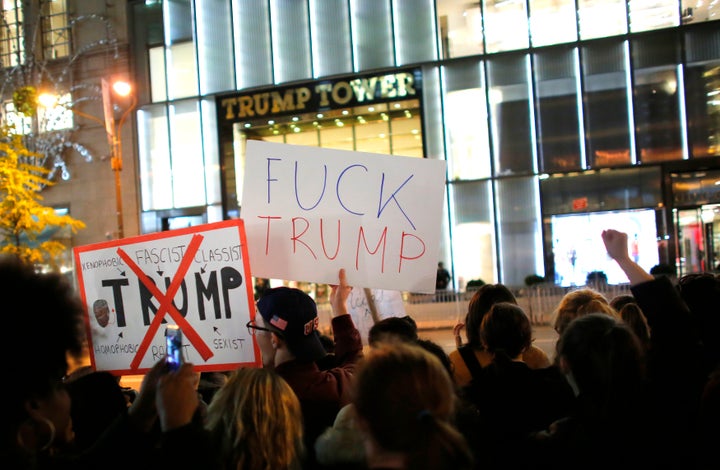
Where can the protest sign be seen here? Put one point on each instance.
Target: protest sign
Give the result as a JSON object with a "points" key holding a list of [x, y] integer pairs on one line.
{"points": [[197, 278], [387, 303], [310, 211]]}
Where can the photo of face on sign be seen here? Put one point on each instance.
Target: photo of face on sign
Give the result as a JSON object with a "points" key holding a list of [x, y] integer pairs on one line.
{"points": [[102, 312]]}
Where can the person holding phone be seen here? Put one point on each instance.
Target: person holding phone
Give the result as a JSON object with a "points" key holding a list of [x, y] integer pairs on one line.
{"points": [[36, 429]]}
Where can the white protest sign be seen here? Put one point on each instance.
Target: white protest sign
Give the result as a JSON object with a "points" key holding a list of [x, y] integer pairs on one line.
{"points": [[310, 211], [388, 303], [197, 278]]}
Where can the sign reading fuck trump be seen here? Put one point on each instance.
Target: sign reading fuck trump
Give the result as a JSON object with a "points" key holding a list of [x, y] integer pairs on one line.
{"points": [[197, 278], [310, 211]]}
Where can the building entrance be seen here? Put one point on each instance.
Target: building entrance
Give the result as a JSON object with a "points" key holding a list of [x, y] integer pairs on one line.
{"points": [[698, 239]]}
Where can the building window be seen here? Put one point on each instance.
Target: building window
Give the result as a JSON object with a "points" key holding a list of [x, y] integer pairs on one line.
{"points": [[56, 117], [55, 29], [53, 34], [11, 34]]}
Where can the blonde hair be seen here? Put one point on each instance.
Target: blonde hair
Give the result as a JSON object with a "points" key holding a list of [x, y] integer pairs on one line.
{"points": [[579, 303], [256, 421]]}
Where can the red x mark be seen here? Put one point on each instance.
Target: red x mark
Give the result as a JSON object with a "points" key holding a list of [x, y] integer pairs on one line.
{"points": [[166, 305]]}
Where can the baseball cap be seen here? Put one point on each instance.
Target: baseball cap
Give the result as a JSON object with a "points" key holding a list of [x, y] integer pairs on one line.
{"points": [[293, 313]]}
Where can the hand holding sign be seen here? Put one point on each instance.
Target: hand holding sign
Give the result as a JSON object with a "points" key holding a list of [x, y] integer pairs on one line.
{"points": [[196, 278], [310, 211]]}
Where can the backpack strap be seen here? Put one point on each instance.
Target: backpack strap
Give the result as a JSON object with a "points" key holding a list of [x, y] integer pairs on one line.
{"points": [[471, 361]]}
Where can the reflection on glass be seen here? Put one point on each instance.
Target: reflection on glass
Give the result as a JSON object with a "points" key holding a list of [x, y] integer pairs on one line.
{"points": [[694, 11], [182, 71], [602, 18], [468, 146], [506, 25], [187, 155], [657, 98], [519, 229], [512, 114], [474, 231], [703, 95], [552, 22], [557, 103], [154, 150], [646, 15], [606, 105], [702, 90], [460, 27]]}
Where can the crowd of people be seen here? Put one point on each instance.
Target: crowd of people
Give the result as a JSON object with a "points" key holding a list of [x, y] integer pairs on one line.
{"points": [[634, 383]]}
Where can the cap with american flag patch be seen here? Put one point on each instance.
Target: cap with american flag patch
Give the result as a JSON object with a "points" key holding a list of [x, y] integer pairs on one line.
{"points": [[292, 314]]}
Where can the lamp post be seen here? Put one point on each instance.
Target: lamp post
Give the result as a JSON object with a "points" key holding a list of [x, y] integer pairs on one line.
{"points": [[114, 134]]}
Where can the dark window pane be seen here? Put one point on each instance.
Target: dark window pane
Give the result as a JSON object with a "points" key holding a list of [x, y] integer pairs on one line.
{"points": [[607, 126], [657, 106], [511, 114], [558, 124], [702, 88]]}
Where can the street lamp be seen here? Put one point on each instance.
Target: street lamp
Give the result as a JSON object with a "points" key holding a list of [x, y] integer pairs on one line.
{"points": [[114, 134], [112, 129]]}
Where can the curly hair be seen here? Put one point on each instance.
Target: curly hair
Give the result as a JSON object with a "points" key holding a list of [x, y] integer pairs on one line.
{"points": [[578, 303], [44, 330]]}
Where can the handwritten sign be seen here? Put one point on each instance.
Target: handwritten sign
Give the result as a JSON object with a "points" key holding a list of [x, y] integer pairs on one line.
{"points": [[388, 303], [197, 278], [310, 211]]}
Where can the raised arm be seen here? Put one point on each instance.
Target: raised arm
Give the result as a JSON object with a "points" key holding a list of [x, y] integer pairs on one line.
{"points": [[339, 294], [616, 244]]}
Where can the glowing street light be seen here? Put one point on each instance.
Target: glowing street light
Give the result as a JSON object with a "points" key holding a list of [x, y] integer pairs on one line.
{"points": [[112, 129], [114, 134]]}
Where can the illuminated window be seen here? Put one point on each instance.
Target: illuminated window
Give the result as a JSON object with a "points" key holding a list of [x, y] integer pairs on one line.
{"points": [[11, 33], [55, 29], [460, 28], [54, 33], [56, 118]]}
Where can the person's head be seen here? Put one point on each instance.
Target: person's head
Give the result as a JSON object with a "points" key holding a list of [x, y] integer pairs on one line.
{"points": [[506, 330], [435, 349], [484, 298], [102, 312], [256, 419], [619, 301], [405, 401], [633, 316], [580, 302], [289, 320], [701, 293], [602, 358], [393, 329], [97, 400], [42, 335]]}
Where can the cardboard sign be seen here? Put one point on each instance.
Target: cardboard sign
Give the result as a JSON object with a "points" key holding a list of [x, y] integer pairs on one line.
{"points": [[197, 278], [388, 303], [310, 211]]}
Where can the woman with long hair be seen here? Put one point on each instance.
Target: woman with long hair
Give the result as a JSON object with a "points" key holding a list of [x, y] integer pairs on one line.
{"points": [[256, 422]]}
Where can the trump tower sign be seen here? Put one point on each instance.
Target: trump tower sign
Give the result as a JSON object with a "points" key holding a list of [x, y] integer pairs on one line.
{"points": [[310, 211], [197, 278]]}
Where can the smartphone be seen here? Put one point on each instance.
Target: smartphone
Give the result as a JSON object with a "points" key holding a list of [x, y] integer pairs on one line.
{"points": [[173, 341]]}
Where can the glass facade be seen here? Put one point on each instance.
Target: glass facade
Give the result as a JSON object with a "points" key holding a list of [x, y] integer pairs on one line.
{"points": [[539, 107]]}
